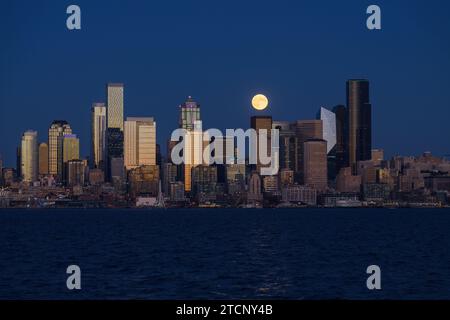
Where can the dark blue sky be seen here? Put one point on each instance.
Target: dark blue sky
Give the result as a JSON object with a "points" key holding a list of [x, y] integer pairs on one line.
{"points": [[299, 53]]}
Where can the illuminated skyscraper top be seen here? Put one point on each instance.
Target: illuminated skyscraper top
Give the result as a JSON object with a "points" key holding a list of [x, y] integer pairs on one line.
{"points": [[189, 113], [115, 105]]}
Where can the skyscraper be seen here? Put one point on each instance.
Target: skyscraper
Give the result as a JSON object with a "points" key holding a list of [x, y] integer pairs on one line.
{"points": [[70, 150], [75, 172], [57, 129], [315, 164], [115, 149], [359, 121], [288, 145], [29, 157], [98, 135], [189, 120], [305, 130], [43, 159], [139, 142], [259, 123], [189, 113], [329, 127], [115, 93], [341, 149]]}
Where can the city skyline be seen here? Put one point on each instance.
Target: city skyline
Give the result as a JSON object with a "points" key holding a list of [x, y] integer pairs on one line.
{"points": [[293, 57], [63, 127]]}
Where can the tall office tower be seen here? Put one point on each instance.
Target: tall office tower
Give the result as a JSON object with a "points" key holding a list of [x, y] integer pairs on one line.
{"points": [[70, 150], [57, 129], [115, 105], [189, 115], [329, 135], [114, 134], [359, 121], [115, 148], [98, 136], [341, 149], [305, 130], [139, 142], [328, 126], [29, 156], [315, 164], [260, 123], [43, 159], [288, 145]]}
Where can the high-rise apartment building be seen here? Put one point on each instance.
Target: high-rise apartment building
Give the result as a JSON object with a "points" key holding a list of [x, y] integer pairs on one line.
{"points": [[359, 121], [29, 156], [98, 136], [57, 129], [139, 142]]}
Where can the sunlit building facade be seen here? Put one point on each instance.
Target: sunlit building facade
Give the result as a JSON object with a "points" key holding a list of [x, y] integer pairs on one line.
{"points": [[139, 142], [115, 93], [98, 136], [57, 129], [29, 156]]}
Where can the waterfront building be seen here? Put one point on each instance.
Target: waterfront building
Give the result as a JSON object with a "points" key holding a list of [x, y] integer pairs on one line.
{"points": [[143, 181], [299, 194]]}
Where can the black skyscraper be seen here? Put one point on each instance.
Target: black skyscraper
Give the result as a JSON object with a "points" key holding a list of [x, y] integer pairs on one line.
{"points": [[114, 138], [341, 149], [359, 121]]}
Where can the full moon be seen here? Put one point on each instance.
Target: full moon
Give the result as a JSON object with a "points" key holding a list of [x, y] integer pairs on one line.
{"points": [[260, 102]]}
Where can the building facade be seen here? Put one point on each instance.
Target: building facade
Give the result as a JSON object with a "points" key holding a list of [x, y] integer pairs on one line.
{"points": [[98, 136], [29, 156]]}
